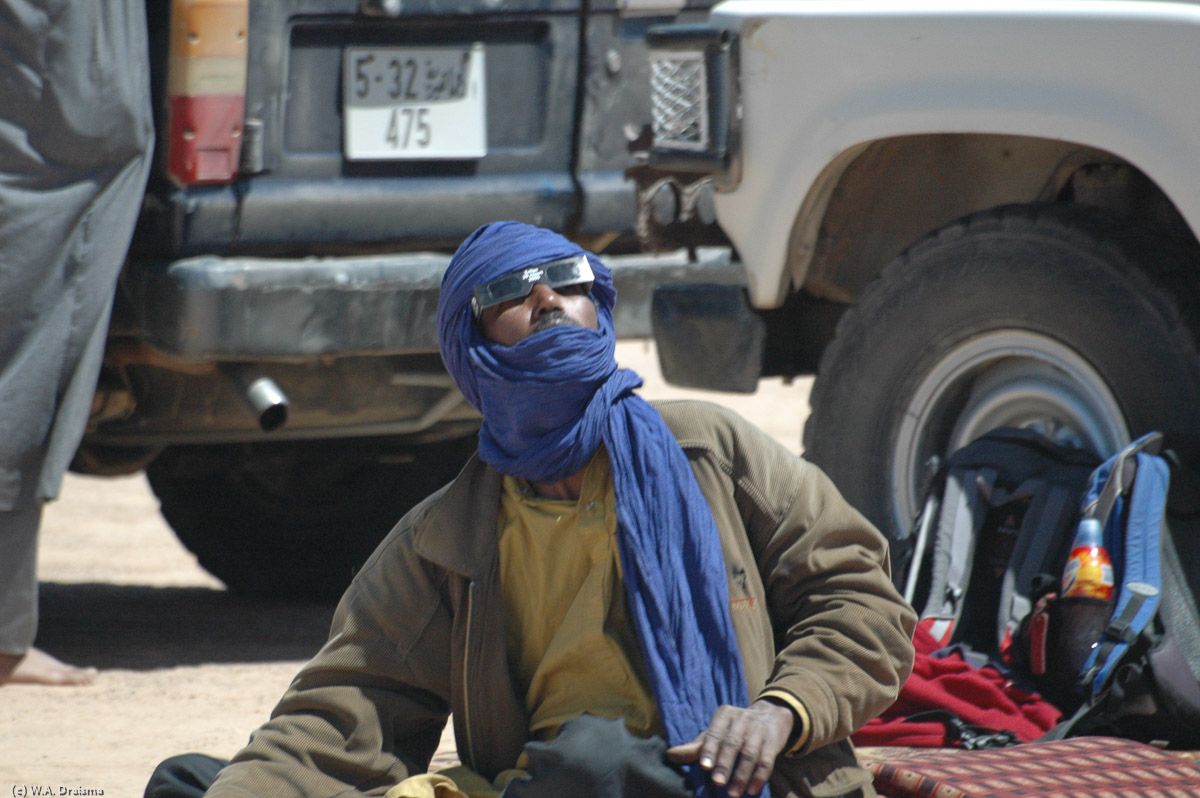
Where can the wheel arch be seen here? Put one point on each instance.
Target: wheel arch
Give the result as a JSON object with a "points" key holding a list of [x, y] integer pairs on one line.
{"points": [[882, 198], [823, 83]]}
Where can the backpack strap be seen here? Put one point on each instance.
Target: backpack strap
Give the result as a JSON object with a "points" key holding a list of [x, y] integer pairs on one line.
{"points": [[1175, 681], [969, 736], [1135, 473], [1162, 666], [964, 503], [1048, 519], [1141, 578], [921, 540], [1063, 729]]}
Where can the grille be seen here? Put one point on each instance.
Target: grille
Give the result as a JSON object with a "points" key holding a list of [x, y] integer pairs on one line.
{"points": [[679, 100]]}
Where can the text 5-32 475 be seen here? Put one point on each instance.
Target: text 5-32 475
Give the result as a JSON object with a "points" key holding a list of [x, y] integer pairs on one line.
{"points": [[414, 102]]}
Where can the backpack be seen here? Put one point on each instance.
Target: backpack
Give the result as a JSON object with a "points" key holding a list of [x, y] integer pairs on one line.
{"points": [[1135, 672], [999, 512], [1006, 508]]}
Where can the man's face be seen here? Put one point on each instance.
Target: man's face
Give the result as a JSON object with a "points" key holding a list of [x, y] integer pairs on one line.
{"points": [[513, 320]]}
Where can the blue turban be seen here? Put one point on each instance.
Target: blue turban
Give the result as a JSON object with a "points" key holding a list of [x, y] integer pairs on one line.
{"points": [[548, 402]]}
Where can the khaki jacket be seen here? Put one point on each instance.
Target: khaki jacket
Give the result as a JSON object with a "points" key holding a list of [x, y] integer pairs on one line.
{"points": [[421, 633]]}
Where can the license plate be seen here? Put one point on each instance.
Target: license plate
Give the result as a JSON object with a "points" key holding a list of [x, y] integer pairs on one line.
{"points": [[414, 102]]}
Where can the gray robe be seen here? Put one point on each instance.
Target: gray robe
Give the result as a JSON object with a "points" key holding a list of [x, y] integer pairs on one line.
{"points": [[76, 136]]}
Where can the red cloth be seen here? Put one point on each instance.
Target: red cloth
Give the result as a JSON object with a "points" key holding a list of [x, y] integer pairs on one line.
{"points": [[979, 696]]}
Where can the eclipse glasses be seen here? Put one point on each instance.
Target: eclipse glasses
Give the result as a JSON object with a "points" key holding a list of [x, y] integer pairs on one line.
{"points": [[514, 285]]}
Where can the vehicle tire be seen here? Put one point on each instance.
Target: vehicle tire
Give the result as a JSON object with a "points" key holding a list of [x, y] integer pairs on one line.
{"points": [[99, 460], [1044, 317], [295, 519]]}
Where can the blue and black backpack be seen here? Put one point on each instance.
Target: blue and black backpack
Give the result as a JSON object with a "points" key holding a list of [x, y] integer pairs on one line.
{"points": [[984, 564]]}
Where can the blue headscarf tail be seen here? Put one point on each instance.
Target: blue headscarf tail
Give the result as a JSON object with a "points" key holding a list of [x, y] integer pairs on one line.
{"points": [[548, 403]]}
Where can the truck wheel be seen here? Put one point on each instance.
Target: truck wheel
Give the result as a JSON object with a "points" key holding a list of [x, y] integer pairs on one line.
{"points": [[294, 519], [1043, 317], [111, 461]]}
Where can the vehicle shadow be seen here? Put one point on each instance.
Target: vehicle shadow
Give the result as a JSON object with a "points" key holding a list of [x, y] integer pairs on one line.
{"points": [[137, 627]]}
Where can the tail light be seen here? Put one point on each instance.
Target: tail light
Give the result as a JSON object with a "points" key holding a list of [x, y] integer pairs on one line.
{"points": [[206, 89]]}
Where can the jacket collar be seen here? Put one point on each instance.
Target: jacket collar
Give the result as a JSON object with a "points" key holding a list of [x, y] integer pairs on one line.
{"points": [[458, 530]]}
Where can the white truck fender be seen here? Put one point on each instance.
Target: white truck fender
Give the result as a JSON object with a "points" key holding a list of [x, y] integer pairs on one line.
{"points": [[821, 79]]}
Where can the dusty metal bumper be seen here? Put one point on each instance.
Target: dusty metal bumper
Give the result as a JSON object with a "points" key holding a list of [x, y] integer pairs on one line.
{"points": [[212, 308]]}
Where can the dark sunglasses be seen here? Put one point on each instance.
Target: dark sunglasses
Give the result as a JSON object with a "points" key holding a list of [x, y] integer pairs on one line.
{"points": [[555, 274]]}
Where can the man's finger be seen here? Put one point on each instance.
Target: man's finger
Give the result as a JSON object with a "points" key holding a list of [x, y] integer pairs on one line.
{"points": [[756, 763], [738, 734], [714, 736], [685, 752], [749, 761], [731, 747], [761, 775]]}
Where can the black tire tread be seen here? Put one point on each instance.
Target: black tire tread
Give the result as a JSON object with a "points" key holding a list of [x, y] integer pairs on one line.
{"points": [[289, 546], [1156, 272]]}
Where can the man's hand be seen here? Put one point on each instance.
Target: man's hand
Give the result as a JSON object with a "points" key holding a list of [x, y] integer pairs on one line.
{"points": [[749, 738]]}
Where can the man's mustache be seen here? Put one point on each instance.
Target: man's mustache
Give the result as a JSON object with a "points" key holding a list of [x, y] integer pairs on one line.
{"points": [[552, 318]]}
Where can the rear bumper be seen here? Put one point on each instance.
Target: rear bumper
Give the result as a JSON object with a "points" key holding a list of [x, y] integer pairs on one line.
{"points": [[213, 309]]}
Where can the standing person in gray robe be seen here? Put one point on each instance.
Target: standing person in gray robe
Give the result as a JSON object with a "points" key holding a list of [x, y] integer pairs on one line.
{"points": [[76, 136]]}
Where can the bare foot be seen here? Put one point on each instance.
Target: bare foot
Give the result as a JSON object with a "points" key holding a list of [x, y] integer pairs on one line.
{"points": [[38, 667]]}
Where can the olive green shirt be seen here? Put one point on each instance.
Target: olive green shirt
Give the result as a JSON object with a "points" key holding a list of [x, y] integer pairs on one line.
{"points": [[570, 640]]}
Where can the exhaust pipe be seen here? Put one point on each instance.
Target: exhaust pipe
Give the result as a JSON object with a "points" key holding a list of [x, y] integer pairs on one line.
{"points": [[261, 394]]}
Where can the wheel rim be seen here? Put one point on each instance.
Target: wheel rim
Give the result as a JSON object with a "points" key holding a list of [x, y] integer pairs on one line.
{"points": [[1004, 378]]}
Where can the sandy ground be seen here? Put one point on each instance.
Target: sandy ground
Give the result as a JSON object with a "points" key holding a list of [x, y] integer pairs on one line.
{"points": [[186, 666]]}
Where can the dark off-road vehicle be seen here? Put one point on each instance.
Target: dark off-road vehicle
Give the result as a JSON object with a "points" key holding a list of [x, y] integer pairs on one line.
{"points": [[272, 361]]}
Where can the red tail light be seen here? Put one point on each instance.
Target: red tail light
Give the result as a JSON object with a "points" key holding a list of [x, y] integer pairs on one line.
{"points": [[206, 89]]}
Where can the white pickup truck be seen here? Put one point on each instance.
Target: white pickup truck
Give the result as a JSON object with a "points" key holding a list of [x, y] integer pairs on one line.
{"points": [[958, 215]]}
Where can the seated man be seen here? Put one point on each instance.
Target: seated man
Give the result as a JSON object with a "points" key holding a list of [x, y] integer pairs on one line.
{"points": [[639, 578]]}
